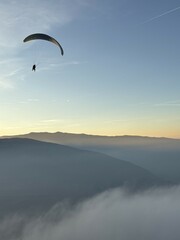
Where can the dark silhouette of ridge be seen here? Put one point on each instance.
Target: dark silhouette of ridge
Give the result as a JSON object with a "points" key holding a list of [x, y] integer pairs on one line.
{"points": [[38, 174], [160, 156]]}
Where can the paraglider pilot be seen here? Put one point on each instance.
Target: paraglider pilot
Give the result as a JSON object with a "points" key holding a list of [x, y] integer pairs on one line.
{"points": [[34, 67]]}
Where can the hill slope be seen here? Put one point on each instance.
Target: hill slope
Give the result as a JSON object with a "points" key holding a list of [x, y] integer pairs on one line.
{"points": [[34, 173], [161, 156]]}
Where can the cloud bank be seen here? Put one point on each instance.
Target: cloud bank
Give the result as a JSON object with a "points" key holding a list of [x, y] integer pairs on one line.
{"points": [[113, 215]]}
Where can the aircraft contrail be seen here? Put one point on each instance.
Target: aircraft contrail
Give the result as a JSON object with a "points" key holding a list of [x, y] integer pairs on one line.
{"points": [[161, 15]]}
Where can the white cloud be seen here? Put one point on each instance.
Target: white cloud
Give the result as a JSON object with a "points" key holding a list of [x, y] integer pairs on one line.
{"points": [[175, 103], [18, 18], [6, 84], [52, 66], [115, 215], [10, 68], [162, 14]]}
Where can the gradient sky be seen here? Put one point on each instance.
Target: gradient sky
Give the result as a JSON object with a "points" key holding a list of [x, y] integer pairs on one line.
{"points": [[120, 73]]}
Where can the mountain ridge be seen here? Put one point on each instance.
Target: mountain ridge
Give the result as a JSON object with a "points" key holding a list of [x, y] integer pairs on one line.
{"points": [[31, 170], [123, 139], [160, 156]]}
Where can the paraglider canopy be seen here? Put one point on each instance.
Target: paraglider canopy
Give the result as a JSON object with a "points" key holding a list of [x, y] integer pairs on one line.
{"points": [[42, 36]]}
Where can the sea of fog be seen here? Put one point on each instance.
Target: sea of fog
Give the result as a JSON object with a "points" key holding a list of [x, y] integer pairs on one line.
{"points": [[115, 214]]}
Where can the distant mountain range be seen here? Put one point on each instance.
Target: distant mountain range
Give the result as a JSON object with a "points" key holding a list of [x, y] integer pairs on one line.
{"points": [[160, 156], [38, 174]]}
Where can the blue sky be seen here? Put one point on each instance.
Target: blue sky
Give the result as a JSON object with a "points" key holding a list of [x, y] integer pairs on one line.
{"points": [[119, 74]]}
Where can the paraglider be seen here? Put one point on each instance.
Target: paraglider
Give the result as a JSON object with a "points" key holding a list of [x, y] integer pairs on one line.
{"points": [[34, 67], [42, 36]]}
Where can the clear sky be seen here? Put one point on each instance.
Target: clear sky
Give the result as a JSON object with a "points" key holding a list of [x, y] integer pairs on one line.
{"points": [[120, 73]]}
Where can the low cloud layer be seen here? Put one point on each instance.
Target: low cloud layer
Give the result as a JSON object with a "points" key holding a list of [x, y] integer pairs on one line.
{"points": [[113, 215]]}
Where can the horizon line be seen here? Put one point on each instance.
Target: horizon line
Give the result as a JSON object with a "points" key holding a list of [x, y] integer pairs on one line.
{"points": [[86, 134]]}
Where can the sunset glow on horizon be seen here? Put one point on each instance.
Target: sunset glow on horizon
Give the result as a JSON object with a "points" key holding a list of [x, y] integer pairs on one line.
{"points": [[119, 74]]}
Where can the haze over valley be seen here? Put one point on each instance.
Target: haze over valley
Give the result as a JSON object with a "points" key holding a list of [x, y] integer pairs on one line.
{"points": [[160, 156], [53, 184]]}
